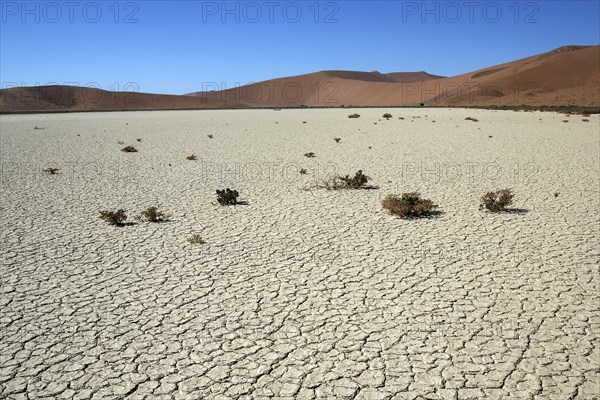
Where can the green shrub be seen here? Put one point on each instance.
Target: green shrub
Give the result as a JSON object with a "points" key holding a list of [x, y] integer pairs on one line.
{"points": [[496, 201], [345, 182], [227, 197], [408, 205], [356, 182]]}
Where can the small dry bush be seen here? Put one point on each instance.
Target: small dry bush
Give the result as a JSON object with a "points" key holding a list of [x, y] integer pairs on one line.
{"points": [[496, 201], [227, 197], [51, 171], [152, 215], [337, 139], [210, 136], [356, 182], [303, 171], [355, 115], [471, 119], [129, 149], [310, 155], [114, 217], [345, 182], [387, 116], [196, 239], [408, 205], [192, 157]]}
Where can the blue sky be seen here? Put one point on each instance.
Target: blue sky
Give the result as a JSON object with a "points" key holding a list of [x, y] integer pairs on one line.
{"points": [[180, 47]]}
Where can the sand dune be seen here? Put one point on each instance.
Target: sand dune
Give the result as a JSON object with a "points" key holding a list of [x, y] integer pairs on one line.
{"points": [[569, 75], [71, 98]]}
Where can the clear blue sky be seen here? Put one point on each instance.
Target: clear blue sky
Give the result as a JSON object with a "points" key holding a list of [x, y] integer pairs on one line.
{"points": [[176, 47]]}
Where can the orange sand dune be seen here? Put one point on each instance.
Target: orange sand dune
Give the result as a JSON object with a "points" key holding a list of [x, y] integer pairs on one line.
{"points": [[569, 75], [72, 98]]}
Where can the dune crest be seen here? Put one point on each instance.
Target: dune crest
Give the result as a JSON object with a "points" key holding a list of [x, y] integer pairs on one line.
{"points": [[566, 76]]}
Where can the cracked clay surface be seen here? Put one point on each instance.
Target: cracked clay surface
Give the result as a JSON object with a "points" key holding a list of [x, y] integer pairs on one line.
{"points": [[300, 294]]}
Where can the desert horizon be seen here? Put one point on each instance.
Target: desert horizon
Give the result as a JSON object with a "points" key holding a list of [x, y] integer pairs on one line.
{"points": [[534, 81]]}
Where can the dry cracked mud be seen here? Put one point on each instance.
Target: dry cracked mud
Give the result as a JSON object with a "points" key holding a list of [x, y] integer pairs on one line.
{"points": [[299, 294]]}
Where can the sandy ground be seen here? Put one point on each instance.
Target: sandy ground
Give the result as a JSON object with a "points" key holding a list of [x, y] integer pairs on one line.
{"points": [[299, 294]]}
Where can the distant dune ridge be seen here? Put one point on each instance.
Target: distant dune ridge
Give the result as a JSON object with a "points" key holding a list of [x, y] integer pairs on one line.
{"points": [[569, 75]]}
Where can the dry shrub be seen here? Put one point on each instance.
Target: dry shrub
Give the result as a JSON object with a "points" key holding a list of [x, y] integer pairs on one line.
{"points": [[496, 201], [152, 215], [355, 115], [196, 239], [303, 171], [129, 149], [51, 171], [337, 139], [192, 157], [387, 116], [114, 217], [310, 155], [471, 119], [408, 205]]}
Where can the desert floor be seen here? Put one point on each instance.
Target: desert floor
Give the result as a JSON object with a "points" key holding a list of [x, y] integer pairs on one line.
{"points": [[299, 293]]}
